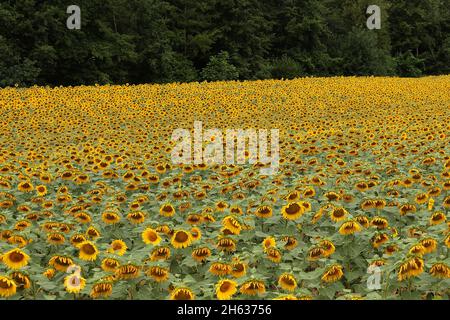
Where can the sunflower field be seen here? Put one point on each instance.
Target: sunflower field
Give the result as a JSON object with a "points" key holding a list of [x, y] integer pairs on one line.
{"points": [[91, 206]]}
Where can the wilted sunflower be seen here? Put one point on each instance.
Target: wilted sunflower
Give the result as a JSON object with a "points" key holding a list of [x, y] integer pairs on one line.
{"points": [[76, 239], [158, 274], [290, 242], [411, 268], [196, 234], [127, 271], [101, 290], [60, 263], [253, 287], [379, 239], [226, 244], [379, 222], [328, 247], [136, 217], [292, 211], [25, 186], [273, 255], [110, 264], [87, 251], [182, 294], [160, 253], [15, 259], [201, 254], [437, 218], [181, 239], [417, 249], [429, 244], [225, 289], [7, 287], [92, 233], [287, 282], [316, 253], [238, 269], [55, 238], [118, 247], [110, 217], [22, 280], [263, 212], [333, 274], [151, 236], [349, 227], [167, 210], [220, 268], [440, 270], [232, 224]]}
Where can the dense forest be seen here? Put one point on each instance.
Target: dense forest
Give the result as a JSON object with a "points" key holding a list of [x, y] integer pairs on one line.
{"points": [[148, 41]]}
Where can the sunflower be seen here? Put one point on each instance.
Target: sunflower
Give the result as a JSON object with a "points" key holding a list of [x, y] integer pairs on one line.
{"points": [[253, 287], [232, 224], [411, 268], [263, 212], [338, 214], [136, 217], [238, 269], [363, 221], [328, 247], [118, 247], [92, 233], [292, 211], [151, 236], [74, 283], [220, 268], [447, 241], [333, 274], [15, 259], [290, 242], [201, 254], [160, 253], [83, 217], [55, 238], [379, 239], [287, 282], [440, 270], [268, 243], [87, 251], [49, 273], [437, 218], [60, 263], [76, 239], [417, 249], [109, 217], [274, 255], [182, 294], [22, 280], [41, 190], [316, 253], [225, 289], [127, 271], [101, 290], [194, 219], [349, 227], [110, 264], [158, 274], [7, 287], [429, 244], [379, 222], [167, 210], [407, 208], [181, 239], [25, 186]]}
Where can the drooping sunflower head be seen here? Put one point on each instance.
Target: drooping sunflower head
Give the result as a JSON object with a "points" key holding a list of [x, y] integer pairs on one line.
{"points": [[201, 254], [328, 247], [333, 274], [220, 268], [158, 274], [21, 279], [379, 222], [429, 244], [349, 227], [290, 242], [268, 242], [136, 217], [437, 218], [160, 253], [60, 263], [167, 210], [110, 217], [274, 255], [127, 271], [182, 294], [101, 290], [8, 287], [287, 282], [440, 270], [338, 214], [110, 264], [232, 224], [253, 287], [263, 212]]}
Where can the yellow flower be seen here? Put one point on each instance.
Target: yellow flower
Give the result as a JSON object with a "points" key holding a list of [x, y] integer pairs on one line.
{"points": [[15, 259], [150, 236], [87, 251], [7, 287], [181, 239], [74, 283], [118, 247], [225, 289], [287, 282]]}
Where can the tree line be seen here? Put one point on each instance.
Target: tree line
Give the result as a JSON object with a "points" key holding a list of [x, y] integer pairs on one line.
{"points": [[159, 41]]}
